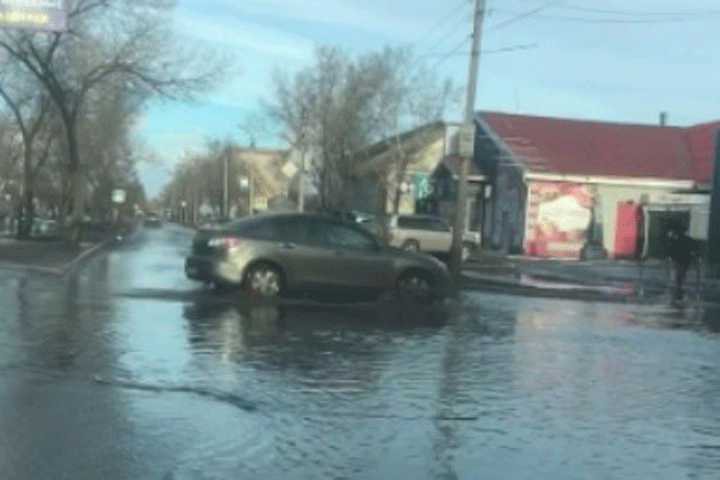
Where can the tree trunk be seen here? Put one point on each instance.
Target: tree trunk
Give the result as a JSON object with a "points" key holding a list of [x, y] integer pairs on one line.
{"points": [[25, 226], [77, 187]]}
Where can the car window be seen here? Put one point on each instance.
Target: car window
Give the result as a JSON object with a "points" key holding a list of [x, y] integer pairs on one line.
{"points": [[338, 235], [410, 223], [295, 230], [439, 226], [260, 228]]}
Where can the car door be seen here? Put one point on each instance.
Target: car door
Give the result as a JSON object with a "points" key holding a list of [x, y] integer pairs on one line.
{"points": [[358, 261], [302, 253]]}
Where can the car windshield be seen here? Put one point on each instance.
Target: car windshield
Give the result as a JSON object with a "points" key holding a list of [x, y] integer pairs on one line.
{"points": [[359, 239]]}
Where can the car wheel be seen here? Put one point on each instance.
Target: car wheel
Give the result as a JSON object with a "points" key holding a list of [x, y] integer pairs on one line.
{"points": [[415, 285], [467, 251], [411, 246], [264, 280]]}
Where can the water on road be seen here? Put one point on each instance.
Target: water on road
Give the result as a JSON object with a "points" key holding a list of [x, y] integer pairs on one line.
{"points": [[129, 371]]}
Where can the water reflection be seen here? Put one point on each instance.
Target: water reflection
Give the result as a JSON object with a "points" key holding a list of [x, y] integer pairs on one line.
{"points": [[711, 318]]}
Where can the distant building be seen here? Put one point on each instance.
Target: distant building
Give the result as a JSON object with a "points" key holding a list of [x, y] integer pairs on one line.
{"points": [[260, 178], [558, 183]]}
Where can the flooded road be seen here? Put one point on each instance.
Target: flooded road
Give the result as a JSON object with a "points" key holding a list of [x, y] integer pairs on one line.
{"points": [[130, 371]]}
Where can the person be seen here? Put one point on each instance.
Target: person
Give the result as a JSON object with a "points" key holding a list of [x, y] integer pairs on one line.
{"points": [[683, 250], [640, 222]]}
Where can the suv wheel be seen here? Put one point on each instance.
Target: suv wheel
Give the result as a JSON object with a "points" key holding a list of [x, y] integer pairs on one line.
{"points": [[467, 251]]}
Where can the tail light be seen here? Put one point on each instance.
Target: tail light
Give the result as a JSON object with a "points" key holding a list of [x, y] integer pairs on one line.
{"points": [[226, 242]]}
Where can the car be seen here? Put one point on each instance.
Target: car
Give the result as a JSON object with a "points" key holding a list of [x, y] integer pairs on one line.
{"points": [[153, 221], [427, 233], [272, 254]]}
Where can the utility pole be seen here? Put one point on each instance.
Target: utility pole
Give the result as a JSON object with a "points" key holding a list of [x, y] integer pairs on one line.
{"points": [[226, 160], [466, 156]]}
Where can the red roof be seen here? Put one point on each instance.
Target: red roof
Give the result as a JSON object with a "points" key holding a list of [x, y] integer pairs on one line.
{"points": [[700, 142], [581, 147]]}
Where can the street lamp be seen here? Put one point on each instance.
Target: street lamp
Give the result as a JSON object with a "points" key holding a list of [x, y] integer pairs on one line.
{"points": [[183, 204]]}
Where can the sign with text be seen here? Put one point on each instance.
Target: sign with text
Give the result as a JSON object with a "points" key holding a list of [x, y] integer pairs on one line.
{"points": [[47, 15]]}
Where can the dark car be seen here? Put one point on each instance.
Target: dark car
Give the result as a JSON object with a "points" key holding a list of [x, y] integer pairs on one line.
{"points": [[272, 254], [153, 221]]}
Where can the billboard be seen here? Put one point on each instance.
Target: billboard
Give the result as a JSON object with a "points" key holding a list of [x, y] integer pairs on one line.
{"points": [[47, 15], [557, 219]]}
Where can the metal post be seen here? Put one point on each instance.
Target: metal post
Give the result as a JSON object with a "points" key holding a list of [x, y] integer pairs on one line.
{"points": [[461, 203], [226, 160], [713, 236], [301, 185]]}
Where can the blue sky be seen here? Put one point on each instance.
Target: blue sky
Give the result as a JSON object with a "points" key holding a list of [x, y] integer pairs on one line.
{"points": [[597, 59]]}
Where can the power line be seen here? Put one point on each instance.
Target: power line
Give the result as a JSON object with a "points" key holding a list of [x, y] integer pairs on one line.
{"points": [[519, 17], [440, 23], [496, 50], [676, 13]]}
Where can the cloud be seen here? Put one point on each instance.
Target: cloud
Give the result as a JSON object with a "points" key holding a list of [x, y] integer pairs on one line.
{"points": [[244, 35], [380, 17]]}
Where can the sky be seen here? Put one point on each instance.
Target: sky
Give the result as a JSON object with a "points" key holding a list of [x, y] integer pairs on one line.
{"points": [[609, 60]]}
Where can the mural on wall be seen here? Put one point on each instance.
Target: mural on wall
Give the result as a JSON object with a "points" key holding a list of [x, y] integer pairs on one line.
{"points": [[558, 217]]}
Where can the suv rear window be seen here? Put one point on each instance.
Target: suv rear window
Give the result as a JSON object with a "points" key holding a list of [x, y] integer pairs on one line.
{"points": [[412, 223], [422, 223]]}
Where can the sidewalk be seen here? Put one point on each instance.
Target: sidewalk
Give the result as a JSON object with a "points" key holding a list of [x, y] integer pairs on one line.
{"points": [[49, 256], [616, 280]]}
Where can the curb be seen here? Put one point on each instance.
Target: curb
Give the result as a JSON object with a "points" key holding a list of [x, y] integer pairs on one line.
{"points": [[68, 268], [62, 271], [509, 287]]}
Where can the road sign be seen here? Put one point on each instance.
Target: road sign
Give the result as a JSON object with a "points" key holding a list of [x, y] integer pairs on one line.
{"points": [[289, 169], [466, 141], [119, 195], [48, 15], [260, 203]]}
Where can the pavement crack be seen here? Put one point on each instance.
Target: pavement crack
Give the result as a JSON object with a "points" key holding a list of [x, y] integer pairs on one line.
{"points": [[220, 396]]}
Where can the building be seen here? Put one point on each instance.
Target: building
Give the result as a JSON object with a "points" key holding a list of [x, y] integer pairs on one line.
{"points": [[557, 184], [394, 175], [259, 180]]}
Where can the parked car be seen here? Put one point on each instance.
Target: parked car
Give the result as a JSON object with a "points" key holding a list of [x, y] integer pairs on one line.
{"points": [[271, 254], [427, 233]]}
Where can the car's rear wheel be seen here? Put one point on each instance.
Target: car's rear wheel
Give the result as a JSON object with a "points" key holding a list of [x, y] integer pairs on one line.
{"points": [[411, 246], [415, 285], [264, 280]]}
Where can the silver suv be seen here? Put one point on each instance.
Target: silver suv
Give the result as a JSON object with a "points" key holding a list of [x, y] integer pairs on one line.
{"points": [[427, 233]]}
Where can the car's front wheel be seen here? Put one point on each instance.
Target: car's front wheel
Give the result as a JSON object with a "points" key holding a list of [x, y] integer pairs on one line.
{"points": [[415, 285], [264, 280]]}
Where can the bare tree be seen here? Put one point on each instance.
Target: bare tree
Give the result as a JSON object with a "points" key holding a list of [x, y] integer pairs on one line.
{"points": [[411, 97], [126, 43], [32, 115], [254, 126], [340, 105]]}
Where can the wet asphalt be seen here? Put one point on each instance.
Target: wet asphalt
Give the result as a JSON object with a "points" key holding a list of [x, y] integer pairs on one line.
{"points": [[127, 370]]}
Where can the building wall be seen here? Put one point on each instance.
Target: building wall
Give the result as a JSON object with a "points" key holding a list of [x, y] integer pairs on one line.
{"points": [[558, 214], [608, 196], [424, 162], [508, 209]]}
